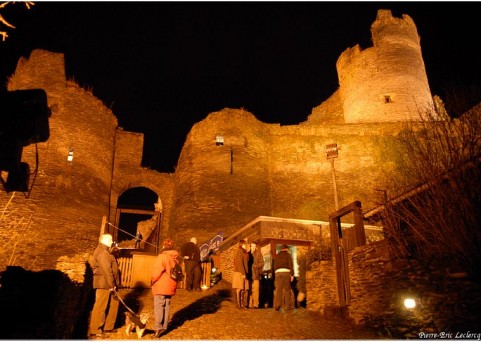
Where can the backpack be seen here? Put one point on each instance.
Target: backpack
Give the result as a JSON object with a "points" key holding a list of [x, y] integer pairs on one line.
{"points": [[176, 273]]}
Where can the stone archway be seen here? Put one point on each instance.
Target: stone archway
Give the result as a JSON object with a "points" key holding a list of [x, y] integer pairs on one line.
{"points": [[138, 211]]}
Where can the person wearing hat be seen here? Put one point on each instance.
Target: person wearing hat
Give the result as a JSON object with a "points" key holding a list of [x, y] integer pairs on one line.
{"points": [[284, 275], [105, 280]]}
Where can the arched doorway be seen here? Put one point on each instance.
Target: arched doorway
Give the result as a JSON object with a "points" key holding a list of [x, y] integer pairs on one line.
{"points": [[138, 211]]}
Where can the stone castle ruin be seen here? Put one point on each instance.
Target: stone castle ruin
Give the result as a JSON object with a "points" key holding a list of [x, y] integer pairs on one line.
{"points": [[259, 170], [232, 170]]}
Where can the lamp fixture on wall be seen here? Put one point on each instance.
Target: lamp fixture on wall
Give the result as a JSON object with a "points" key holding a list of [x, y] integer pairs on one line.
{"points": [[70, 155]]}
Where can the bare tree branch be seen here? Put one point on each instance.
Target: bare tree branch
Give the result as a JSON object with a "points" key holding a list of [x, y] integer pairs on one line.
{"points": [[4, 22], [442, 219]]}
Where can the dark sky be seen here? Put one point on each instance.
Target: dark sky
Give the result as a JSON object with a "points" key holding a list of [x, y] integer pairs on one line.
{"points": [[163, 66]]}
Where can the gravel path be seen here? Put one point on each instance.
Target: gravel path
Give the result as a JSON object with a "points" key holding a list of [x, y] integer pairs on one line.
{"points": [[210, 315]]}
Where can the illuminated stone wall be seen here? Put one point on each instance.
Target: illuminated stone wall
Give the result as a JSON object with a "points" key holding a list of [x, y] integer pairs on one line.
{"points": [[63, 212], [261, 169], [279, 171], [221, 188], [128, 174], [282, 170]]}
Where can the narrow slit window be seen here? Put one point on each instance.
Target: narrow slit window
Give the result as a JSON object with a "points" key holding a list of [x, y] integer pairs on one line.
{"points": [[387, 99]]}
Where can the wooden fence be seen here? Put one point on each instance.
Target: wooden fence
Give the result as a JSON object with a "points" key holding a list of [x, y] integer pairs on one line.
{"points": [[135, 271]]}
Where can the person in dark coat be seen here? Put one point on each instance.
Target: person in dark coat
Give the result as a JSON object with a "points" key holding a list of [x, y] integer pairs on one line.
{"points": [[284, 275], [256, 264], [241, 269], [138, 239], [105, 280], [191, 254]]}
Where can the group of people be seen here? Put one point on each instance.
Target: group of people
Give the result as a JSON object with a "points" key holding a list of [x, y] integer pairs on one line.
{"points": [[106, 279], [248, 269]]}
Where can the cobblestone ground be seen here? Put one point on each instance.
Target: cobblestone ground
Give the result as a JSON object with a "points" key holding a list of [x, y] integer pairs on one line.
{"points": [[211, 315]]}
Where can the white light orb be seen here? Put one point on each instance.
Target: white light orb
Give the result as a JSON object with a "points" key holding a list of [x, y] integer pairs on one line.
{"points": [[409, 303]]}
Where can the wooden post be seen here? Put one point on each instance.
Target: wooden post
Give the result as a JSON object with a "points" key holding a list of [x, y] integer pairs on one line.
{"points": [[206, 270], [359, 233]]}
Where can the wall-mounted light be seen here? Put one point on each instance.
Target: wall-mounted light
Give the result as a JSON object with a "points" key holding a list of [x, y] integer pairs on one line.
{"points": [[409, 303], [70, 155], [219, 140]]}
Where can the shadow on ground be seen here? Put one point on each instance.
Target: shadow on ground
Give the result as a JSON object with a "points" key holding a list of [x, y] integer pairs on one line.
{"points": [[205, 305]]}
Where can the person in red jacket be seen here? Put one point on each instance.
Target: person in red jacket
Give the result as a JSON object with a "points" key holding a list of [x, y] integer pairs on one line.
{"points": [[163, 286]]}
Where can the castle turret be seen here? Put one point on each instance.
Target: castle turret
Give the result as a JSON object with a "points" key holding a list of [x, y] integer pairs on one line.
{"points": [[386, 82]]}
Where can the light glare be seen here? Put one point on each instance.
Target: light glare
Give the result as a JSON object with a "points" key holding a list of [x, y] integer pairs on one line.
{"points": [[409, 303]]}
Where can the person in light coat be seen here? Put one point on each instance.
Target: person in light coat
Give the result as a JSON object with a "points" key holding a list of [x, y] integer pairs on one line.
{"points": [[163, 286]]}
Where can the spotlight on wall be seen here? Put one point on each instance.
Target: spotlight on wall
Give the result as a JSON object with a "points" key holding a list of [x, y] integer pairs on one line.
{"points": [[70, 155], [219, 140], [409, 303]]}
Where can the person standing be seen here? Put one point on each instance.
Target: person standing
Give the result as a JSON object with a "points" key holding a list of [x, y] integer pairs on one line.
{"points": [[191, 253], [138, 240], [256, 262], [246, 294], [163, 286], [284, 275], [105, 271], [240, 272]]}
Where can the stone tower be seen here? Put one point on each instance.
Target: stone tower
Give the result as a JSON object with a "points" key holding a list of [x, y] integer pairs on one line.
{"points": [[386, 82]]}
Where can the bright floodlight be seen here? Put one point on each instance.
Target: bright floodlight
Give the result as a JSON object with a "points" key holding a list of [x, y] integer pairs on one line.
{"points": [[409, 303]]}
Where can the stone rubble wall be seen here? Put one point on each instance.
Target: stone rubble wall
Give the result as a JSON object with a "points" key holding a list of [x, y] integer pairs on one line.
{"points": [[446, 301]]}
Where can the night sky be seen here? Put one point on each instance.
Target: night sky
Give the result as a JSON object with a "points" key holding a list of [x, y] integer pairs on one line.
{"points": [[164, 66]]}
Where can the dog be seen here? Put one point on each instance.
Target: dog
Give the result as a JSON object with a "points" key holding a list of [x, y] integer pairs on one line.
{"points": [[137, 322]]}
